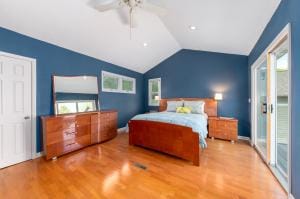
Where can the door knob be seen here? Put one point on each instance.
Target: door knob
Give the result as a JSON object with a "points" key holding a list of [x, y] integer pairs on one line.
{"points": [[26, 117]]}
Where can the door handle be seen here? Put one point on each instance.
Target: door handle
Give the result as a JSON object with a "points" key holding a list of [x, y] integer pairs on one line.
{"points": [[264, 108], [271, 108], [26, 117]]}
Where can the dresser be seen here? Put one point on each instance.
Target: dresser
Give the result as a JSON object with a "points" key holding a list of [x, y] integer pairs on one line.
{"points": [[63, 134], [226, 129]]}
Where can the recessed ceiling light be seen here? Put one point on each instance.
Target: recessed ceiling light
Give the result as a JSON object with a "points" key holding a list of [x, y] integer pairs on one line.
{"points": [[193, 27], [145, 44]]}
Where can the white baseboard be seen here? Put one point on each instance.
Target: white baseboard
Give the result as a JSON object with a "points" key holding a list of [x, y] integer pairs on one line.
{"points": [[38, 155], [122, 130], [291, 196], [244, 138]]}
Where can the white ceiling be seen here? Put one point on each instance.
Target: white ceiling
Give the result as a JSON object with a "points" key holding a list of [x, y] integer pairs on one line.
{"points": [[227, 26]]}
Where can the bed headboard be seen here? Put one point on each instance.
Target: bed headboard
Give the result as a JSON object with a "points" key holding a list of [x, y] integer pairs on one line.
{"points": [[211, 105]]}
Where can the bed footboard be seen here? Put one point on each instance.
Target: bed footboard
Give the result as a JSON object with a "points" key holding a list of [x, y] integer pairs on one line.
{"points": [[172, 139]]}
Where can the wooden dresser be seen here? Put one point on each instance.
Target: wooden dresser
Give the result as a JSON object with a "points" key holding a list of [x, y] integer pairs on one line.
{"points": [[66, 133], [226, 129]]}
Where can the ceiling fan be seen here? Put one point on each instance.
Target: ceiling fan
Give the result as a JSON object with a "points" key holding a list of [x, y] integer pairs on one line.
{"points": [[132, 5]]}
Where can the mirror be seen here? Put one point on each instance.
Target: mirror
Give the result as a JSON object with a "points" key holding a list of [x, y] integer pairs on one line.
{"points": [[75, 94]]}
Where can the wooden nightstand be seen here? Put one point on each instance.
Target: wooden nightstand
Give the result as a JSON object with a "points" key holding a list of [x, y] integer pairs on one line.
{"points": [[226, 129]]}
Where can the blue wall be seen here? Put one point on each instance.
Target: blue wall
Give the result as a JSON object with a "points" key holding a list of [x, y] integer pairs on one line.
{"points": [[287, 12], [295, 20], [191, 73], [52, 59]]}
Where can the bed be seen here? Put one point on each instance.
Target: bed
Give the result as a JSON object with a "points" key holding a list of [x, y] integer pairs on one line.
{"points": [[176, 134]]}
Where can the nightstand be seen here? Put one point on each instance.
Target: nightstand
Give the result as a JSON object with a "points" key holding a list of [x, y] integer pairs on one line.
{"points": [[223, 128]]}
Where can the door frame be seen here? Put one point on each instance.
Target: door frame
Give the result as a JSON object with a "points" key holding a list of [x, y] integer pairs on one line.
{"points": [[254, 112], [33, 99], [286, 31]]}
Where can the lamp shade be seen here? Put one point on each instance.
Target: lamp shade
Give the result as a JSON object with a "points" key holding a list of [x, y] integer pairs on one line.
{"points": [[218, 96], [156, 98]]}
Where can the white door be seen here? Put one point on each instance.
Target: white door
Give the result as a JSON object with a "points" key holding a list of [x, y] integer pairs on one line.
{"points": [[15, 110]]}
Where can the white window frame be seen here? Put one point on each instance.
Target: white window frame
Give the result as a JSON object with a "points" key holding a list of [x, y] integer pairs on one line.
{"points": [[120, 83], [149, 90], [76, 102]]}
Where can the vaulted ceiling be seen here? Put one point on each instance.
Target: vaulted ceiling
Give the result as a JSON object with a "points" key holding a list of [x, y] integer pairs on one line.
{"points": [[227, 26]]}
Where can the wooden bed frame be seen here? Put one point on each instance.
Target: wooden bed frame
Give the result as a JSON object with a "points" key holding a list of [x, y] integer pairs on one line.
{"points": [[172, 139]]}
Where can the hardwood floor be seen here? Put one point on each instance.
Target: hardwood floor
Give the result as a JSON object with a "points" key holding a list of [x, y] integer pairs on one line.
{"points": [[109, 170]]}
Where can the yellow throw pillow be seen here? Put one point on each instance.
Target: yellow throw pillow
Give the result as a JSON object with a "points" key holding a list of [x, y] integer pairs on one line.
{"points": [[183, 110], [178, 109]]}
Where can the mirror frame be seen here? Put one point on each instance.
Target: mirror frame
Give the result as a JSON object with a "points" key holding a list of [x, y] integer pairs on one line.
{"points": [[54, 93]]}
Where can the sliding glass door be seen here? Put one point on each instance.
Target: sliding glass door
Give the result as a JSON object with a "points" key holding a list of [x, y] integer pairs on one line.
{"points": [[261, 88], [271, 107], [281, 63]]}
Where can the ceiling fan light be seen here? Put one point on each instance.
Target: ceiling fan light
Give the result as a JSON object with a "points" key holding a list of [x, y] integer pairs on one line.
{"points": [[193, 27], [145, 44]]}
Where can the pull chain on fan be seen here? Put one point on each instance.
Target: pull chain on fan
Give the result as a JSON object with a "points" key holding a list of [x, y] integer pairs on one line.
{"points": [[130, 23]]}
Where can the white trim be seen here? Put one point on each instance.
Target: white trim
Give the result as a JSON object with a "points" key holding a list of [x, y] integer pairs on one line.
{"points": [[290, 112], [149, 88], [122, 130], [120, 78], [244, 138], [33, 98], [254, 68], [38, 155], [291, 196], [285, 32]]}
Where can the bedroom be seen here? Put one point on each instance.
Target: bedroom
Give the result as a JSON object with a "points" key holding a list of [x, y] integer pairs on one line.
{"points": [[232, 64]]}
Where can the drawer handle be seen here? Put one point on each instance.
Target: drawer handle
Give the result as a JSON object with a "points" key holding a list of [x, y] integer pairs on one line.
{"points": [[70, 133], [71, 144]]}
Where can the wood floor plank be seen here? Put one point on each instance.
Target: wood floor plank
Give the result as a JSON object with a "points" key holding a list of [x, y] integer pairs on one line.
{"points": [[108, 171]]}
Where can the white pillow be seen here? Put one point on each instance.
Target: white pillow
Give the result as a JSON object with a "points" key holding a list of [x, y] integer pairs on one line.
{"points": [[196, 106], [172, 105]]}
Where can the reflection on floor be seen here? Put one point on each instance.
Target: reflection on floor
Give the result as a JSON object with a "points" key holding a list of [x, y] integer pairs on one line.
{"points": [[109, 171], [261, 143]]}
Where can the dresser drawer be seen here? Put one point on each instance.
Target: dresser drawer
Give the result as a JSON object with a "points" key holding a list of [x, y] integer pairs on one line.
{"points": [[66, 146], [63, 125], [221, 124], [232, 125], [217, 133], [60, 136], [83, 120], [212, 124], [225, 129], [108, 117], [226, 124], [108, 126], [60, 123], [66, 134]]}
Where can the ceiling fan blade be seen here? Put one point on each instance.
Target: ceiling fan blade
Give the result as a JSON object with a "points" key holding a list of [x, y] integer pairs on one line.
{"points": [[160, 11], [105, 5]]}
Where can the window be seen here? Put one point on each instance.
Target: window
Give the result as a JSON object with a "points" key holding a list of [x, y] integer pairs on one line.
{"points": [[117, 83], [70, 106], [154, 91]]}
